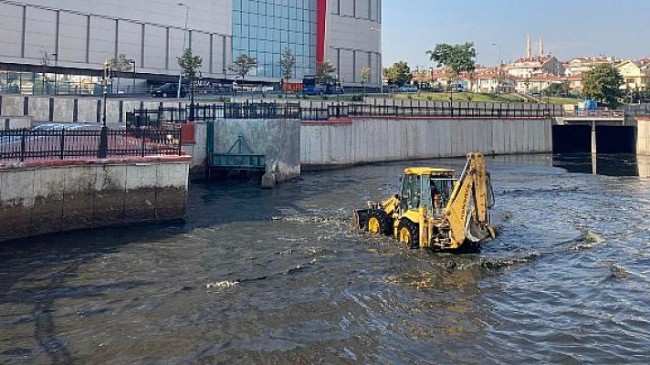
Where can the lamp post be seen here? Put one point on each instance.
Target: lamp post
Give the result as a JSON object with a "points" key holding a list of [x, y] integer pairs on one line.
{"points": [[499, 70], [56, 64], [102, 151], [44, 62], [381, 57], [192, 85], [133, 62], [180, 75]]}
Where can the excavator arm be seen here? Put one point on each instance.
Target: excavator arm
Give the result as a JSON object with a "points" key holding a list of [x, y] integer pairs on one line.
{"points": [[467, 208]]}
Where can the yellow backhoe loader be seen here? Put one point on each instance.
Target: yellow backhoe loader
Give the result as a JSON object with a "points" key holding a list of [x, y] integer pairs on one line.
{"points": [[435, 210]]}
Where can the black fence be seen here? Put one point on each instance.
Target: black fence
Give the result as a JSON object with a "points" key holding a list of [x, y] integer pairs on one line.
{"points": [[407, 111], [162, 117], [638, 110], [26, 144]]}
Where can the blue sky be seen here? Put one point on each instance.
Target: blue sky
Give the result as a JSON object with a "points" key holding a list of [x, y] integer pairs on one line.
{"points": [[570, 28]]}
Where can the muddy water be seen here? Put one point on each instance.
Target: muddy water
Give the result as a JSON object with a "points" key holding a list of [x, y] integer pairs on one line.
{"points": [[276, 277]]}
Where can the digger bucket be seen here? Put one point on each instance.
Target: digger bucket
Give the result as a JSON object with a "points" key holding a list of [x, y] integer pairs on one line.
{"points": [[361, 218]]}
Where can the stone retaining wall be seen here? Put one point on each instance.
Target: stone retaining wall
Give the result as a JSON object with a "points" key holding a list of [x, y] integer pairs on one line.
{"points": [[365, 140], [55, 196], [643, 136]]}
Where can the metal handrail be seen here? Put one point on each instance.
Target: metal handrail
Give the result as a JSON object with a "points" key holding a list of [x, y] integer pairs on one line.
{"points": [[34, 144]]}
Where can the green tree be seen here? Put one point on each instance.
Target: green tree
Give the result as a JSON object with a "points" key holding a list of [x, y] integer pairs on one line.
{"points": [[120, 64], [456, 59], [399, 73], [287, 63], [325, 70], [557, 89], [190, 64], [365, 77], [603, 84], [243, 64]]}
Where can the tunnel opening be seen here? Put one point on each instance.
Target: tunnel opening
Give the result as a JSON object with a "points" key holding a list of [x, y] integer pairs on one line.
{"points": [[571, 139], [613, 139], [609, 139]]}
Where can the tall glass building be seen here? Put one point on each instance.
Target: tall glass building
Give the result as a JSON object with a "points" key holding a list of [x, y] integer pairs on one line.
{"points": [[61, 45], [264, 29]]}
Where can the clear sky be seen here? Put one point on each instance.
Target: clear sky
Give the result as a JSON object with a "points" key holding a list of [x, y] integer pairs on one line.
{"points": [[569, 28]]}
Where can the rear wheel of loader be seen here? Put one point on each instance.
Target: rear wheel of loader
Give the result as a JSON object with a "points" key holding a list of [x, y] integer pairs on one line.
{"points": [[408, 233], [378, 222]]}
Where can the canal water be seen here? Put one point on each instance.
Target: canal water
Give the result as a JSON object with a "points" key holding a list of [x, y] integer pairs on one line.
{"points": [[277, 277]]}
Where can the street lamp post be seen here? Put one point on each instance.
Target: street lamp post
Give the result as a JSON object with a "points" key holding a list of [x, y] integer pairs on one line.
{"points": [[499, 69], [44, 62], [180, 75], [191, 116], [102, 151], [56, 64], [381, 57], [133, 62]]}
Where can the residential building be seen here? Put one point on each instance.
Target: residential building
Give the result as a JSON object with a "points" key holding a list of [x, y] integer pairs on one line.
{"points": [[537, 83], [581, 65], [533, 66], [493, 82], [636, 74]]}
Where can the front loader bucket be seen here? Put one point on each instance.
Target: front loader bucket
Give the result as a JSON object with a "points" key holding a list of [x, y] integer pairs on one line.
{"points": [[361, 218], [478, 233]]}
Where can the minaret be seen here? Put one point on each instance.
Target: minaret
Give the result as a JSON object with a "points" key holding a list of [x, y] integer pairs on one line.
{"points": [[541, 47], [528, 48]]}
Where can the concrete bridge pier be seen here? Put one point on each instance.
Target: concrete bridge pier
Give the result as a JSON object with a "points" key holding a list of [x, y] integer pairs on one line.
{"points": [[594, 138]]}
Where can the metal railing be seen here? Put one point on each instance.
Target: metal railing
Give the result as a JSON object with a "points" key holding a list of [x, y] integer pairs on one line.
{"points": [[598, 113], [164, 116], [638, 110], [31, 144], [445, 111], [161, 117]]}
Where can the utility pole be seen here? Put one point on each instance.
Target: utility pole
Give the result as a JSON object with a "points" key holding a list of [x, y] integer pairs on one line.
{"points": [[180, 75], [102, 151]]}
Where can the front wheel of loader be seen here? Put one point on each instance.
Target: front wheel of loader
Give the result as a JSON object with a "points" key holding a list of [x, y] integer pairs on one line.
{"points": [[408, 233], [378, 222]]}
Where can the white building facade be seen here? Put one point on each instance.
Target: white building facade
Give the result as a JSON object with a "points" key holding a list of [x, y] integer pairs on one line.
{"points": [[74, 37]]}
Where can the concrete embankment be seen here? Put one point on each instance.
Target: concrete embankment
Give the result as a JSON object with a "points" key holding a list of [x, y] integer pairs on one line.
{"points": [[277, 139], [69, 109], [643, 136], [366, 140], [55, 196]]}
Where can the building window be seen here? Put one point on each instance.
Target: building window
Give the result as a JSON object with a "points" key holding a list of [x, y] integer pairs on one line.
{"points": [[263, 29]]}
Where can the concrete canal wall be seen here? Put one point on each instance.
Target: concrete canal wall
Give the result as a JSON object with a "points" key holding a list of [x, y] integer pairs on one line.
{"points": [[75, 109], [364, 140], [643, 136], [55, 196], [277, 139]]}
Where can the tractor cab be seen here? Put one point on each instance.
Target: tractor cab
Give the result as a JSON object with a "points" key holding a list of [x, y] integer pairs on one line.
{"points": [[426, 187]]}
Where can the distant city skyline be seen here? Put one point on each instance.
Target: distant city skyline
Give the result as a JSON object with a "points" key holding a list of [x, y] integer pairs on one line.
{"points": [[498, 28]]}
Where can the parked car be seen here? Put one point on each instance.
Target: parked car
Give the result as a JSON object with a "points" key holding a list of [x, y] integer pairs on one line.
{"points": [[407, 89], [169, 90]]}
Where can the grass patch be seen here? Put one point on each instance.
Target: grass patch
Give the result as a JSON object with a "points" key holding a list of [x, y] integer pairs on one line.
{"points": [[481, 98], [558, 100]]}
